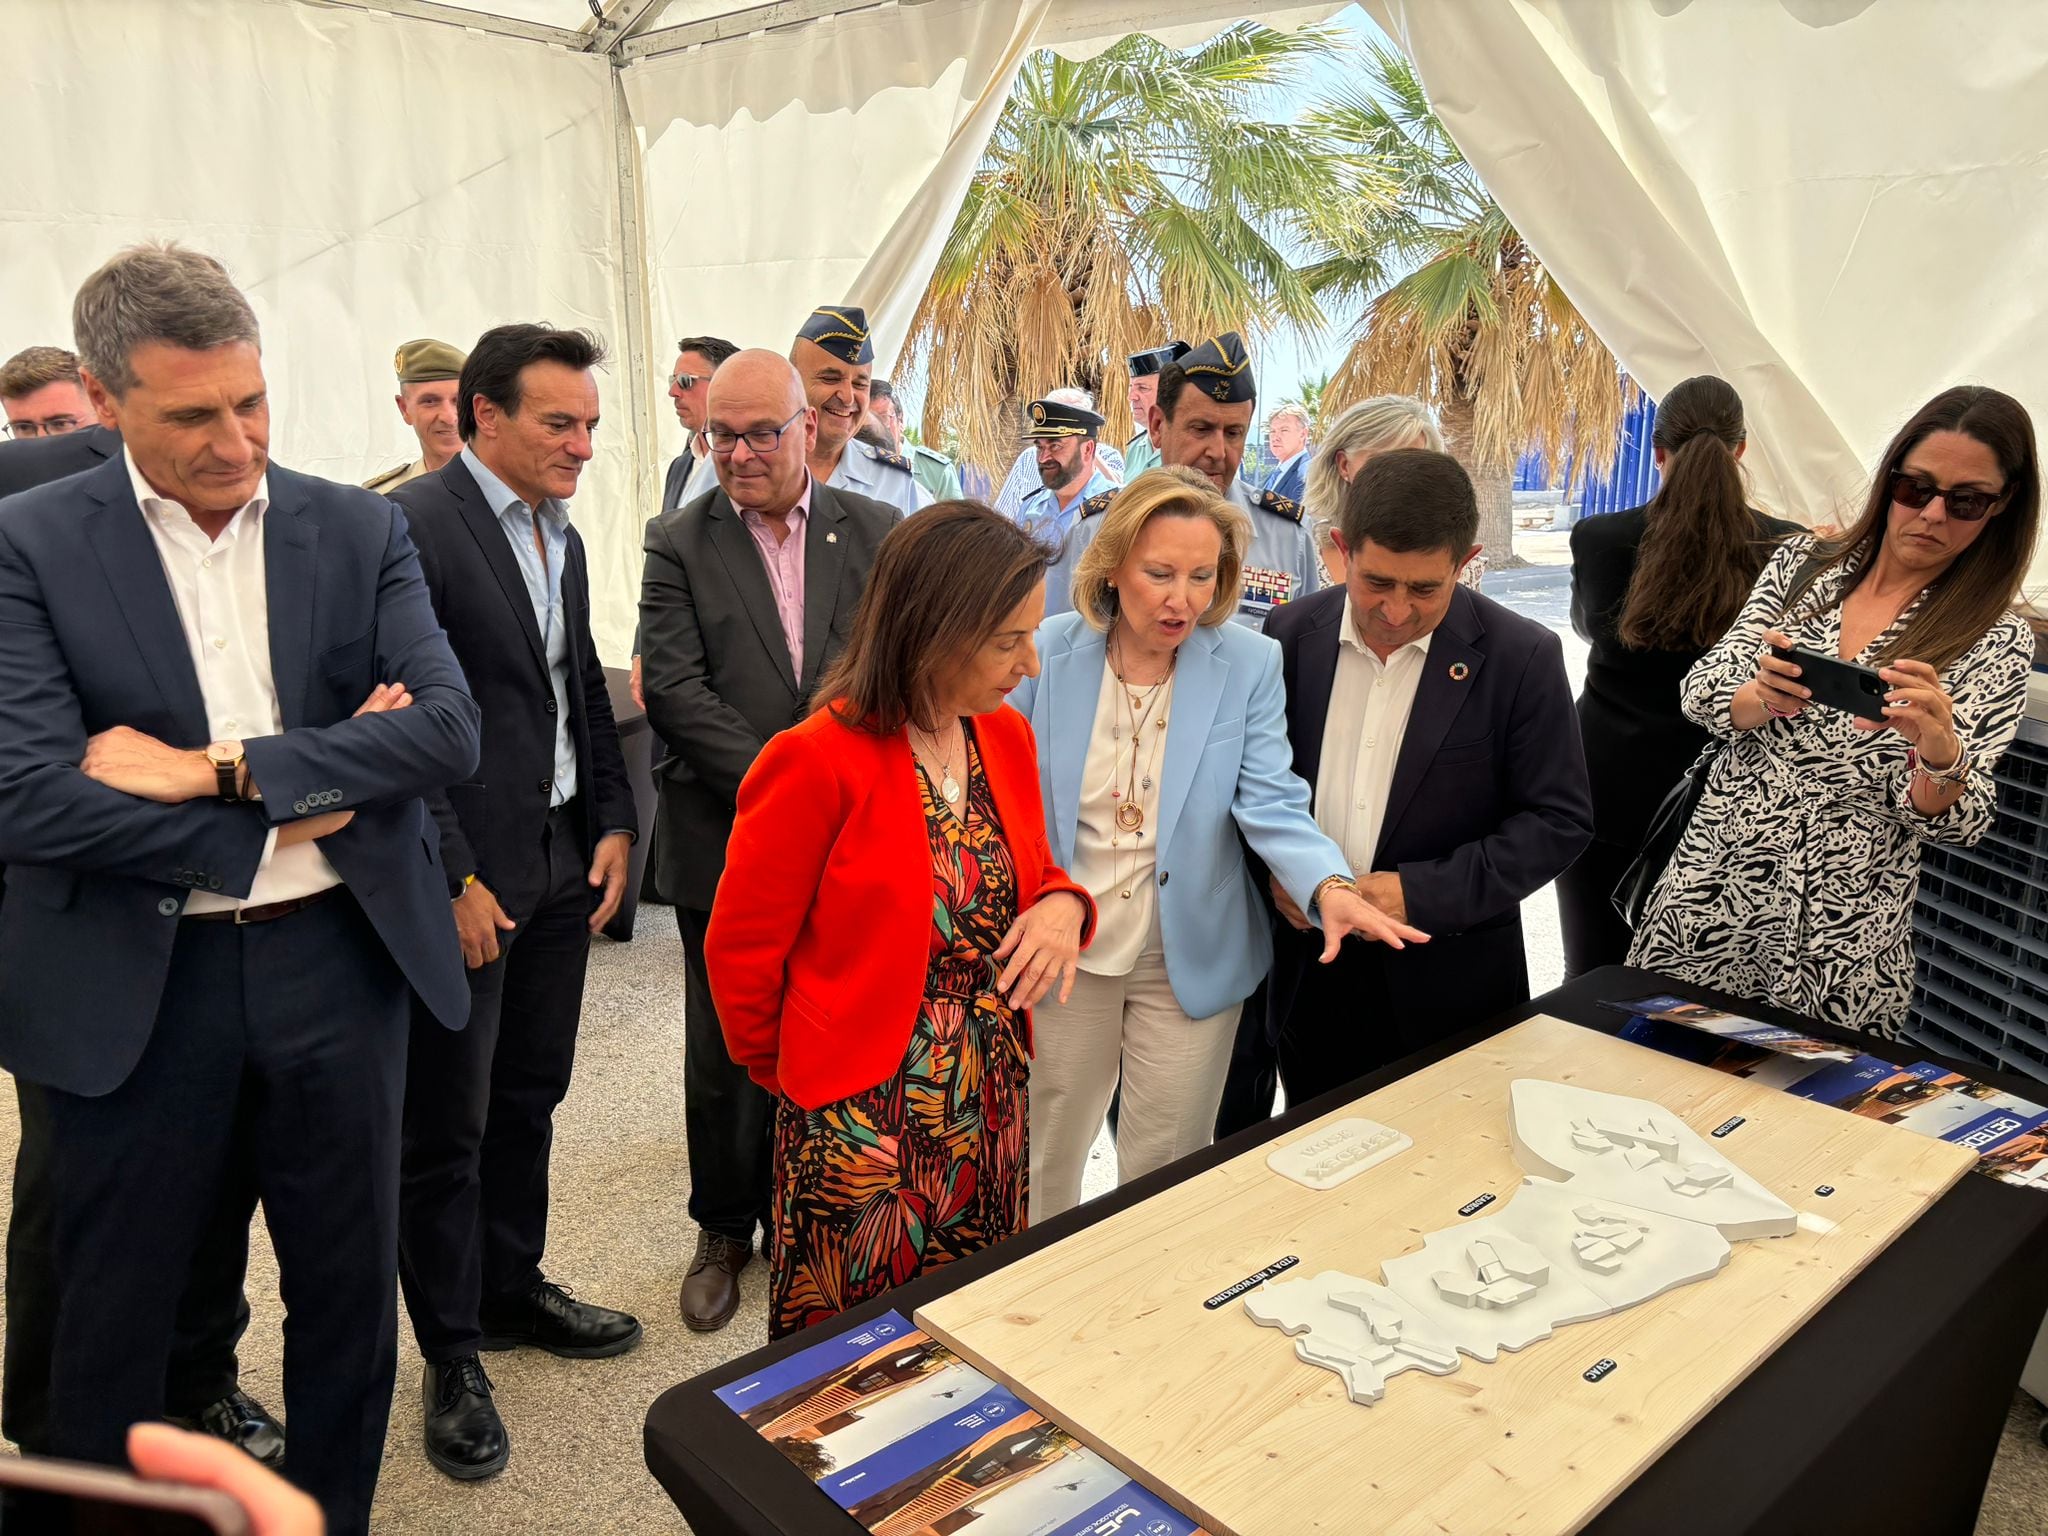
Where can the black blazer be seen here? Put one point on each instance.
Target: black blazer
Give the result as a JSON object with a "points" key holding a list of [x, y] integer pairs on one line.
{"points": [[715, 668], [1637, 742], [39, 460], [1489, 800], [677, 477], [491, 824]]}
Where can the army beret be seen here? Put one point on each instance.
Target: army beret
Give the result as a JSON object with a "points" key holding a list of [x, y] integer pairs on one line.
{"points": [[1055, 419], [420, 362], [1221, 369], [842, 331]]}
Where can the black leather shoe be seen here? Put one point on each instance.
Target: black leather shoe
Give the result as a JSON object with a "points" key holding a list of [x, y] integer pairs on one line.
{"points": [[245, 1424], [711, 1290], [465, 1437], [548, 1317]]}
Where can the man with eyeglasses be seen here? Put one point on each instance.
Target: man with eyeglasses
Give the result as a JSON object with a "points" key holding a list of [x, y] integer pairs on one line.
{"points": [[834, 354], [43, 394], [748, 596]]}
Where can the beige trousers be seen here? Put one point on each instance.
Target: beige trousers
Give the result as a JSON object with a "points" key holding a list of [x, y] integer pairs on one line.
{"points": [[1172, 1068]]}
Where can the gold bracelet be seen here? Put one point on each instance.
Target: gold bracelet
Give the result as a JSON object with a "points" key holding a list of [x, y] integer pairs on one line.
{"points": [[1342, 882]]}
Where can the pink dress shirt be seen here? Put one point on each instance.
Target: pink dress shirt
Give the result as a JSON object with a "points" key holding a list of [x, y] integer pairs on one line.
{"points": [[785, 563]]}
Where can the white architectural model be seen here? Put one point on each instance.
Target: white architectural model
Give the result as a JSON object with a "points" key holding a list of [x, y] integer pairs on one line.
{"points": [[1338, 1151], [1624, 1203]]}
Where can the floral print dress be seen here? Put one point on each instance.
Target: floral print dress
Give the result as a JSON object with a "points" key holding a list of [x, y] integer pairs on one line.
{"points": [[932, 1163]]}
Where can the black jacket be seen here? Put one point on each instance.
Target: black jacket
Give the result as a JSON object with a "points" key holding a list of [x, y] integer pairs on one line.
{"points": [[491, 825], [1638, 744], [41, 459], [715, 667]]}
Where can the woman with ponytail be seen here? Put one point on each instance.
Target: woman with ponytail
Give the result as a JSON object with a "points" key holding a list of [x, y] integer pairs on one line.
{"points": [[1652, 589]]}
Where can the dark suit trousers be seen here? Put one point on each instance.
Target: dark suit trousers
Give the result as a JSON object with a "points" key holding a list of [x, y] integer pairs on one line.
{"points": [[1594, 934], [728, 1118], [281, 1046], [1254, 1080], [212, 1315], [480, 1107]]}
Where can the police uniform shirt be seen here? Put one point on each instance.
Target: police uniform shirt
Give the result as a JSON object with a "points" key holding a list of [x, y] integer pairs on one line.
{"points": [[1054, 526], [392, 479], [884, 476], [1139, 456]]}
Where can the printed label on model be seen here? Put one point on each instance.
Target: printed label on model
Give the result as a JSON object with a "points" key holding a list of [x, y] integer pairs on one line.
{"points": [[1728, 1125], [1251, 1282], [1479, 1204]]}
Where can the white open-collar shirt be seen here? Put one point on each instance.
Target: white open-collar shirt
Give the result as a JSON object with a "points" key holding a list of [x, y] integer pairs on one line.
{"points": [[1370, 701]]}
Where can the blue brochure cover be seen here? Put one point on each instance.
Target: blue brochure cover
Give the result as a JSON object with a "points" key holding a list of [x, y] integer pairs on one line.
{"points": [[816, 1362], [1132, 1510], [929, 1453]]}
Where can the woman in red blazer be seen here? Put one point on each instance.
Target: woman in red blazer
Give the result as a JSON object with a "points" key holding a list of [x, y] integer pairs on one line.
{"points": [[889, 912]]}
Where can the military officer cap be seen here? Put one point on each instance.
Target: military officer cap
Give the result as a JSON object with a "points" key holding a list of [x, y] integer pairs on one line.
{"points": [[421, 362], [1221, 369], [842, 331], [1153, 359], [1055, 419]]}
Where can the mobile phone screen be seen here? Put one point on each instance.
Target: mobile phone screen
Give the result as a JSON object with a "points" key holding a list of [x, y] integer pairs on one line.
{"points": [[37, 1512]]}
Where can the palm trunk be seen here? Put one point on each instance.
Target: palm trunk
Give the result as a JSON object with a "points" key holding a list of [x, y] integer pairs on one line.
{"points": [[1493, 484]]}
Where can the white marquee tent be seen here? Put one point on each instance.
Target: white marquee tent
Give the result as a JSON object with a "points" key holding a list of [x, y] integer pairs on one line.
{"points": [[1834, 203]]}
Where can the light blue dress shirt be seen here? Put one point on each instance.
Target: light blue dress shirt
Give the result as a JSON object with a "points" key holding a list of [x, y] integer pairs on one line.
{"points": [[1042, 516], [863, 470], [544, 588]]}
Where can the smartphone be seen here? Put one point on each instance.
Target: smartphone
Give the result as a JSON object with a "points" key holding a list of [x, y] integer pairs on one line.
{"points": [[1838, 684], [41, 1497]]}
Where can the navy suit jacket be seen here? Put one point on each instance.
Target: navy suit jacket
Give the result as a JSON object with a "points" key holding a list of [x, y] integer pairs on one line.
{"points": [[1291, 482], [39, 460], [490, 826], [1489, 800], [97, 879]]}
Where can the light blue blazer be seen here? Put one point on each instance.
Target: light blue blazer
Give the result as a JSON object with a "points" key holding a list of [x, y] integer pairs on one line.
{"points": [[1226, 769]]}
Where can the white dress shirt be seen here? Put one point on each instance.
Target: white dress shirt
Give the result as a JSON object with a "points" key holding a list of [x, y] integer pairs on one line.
{"points": [[1368, 715], [223, 604], [1123, 926]]}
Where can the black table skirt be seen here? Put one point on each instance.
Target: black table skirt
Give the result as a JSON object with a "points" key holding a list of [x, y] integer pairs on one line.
{"points": [[1881, 1415]]}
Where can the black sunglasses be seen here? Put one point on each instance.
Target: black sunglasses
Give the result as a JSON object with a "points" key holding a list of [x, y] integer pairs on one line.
{"points": [[1964, 505]]}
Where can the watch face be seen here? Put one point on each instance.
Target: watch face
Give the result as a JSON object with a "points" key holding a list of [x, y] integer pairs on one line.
{"points": [[221, 754]]}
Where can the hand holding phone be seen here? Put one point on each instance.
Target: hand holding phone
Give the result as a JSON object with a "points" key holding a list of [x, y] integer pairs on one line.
{"points": [[1827, 680]]}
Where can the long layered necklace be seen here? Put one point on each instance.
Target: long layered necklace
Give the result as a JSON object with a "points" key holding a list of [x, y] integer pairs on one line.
{"points": [[1136, 710], [933, 746]]}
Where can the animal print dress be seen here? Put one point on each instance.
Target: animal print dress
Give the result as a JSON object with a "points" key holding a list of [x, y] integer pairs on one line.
{"points": [[1795, 879]]}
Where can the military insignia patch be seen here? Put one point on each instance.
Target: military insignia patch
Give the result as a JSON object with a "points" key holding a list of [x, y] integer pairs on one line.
{"points": [[1284, 506], [1097, 504], [1038, 411], [1221, 391], [1267, 588]]}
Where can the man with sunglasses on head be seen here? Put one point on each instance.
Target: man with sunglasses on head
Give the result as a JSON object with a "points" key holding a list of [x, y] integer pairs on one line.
{"points": [[748, 595]]}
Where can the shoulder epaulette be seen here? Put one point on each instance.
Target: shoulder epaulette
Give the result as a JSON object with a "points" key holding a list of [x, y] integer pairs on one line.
{"points": [[1285, 506], [893, 460], [378, 482], [1098, 503], [918, 450]]}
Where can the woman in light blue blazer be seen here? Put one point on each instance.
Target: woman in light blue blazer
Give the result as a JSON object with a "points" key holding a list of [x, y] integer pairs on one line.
{"points": [[1161, 737]]}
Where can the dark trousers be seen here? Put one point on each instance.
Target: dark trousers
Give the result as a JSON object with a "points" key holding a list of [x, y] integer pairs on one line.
{"points": [[1594, 934], [279, 1046], [1254, 1080], [212, 1314], [728, 1118], [479, 1112]]}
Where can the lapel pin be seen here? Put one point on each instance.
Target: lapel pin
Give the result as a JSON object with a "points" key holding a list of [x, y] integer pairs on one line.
{"points": [[1459, 671], [831, 538]]}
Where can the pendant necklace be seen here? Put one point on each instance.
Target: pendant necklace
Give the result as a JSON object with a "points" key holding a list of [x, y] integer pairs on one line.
{"points": [[948, 786], [1130, 797]]}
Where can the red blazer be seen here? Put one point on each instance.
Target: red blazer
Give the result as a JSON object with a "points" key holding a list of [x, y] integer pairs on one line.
{"points": [[821, 930]]}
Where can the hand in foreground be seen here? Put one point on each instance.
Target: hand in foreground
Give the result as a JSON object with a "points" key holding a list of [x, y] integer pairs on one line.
{"points": [[1296, 918], [1042, 947], [478, 922], [312, 828], [383, 699], [1920, 710], [163, 1454], [1776, 682], [1346, 912], [608, 871], [123, 758]]}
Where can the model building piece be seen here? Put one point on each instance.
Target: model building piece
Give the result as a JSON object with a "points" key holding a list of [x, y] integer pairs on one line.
{"points": [[1638, 1153], [1341, 1150], [1359, 1330], [1621, 1253]]}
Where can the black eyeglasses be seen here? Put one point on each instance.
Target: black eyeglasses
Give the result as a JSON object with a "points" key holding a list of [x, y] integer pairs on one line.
{"points": [[760, 439], [1965, 505], [51, 426], [686, 381]]}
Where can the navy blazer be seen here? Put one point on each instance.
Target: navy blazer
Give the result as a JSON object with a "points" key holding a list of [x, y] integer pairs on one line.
{"points": [[97, 879], [491, 824], [39, 460], [1489, 800], [1292, 482]]}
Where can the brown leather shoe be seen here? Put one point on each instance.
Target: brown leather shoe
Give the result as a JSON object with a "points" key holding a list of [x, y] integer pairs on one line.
{"points": [[711, 1290]]}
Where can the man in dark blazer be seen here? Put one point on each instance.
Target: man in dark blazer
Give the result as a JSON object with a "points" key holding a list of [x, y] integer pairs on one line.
{"points": [[535, 851], [1436, 729], [223, 694], [748, 596], [201, 1386]]}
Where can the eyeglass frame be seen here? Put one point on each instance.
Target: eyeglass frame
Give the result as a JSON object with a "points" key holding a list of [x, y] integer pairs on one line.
{"points": [[774, 435], [47, 427], [1919, 483]]}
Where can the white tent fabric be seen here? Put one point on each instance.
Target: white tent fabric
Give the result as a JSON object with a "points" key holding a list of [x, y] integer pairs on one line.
{"points": [[1841, 206]]}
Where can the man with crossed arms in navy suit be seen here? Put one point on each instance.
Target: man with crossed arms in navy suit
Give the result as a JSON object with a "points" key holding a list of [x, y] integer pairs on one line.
{"points": [[222, 696]]}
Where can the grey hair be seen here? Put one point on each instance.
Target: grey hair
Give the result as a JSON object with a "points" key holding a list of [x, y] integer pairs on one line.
{"points": [[1298, 412], [1369, 427], [156, 291], [1074, 395]]}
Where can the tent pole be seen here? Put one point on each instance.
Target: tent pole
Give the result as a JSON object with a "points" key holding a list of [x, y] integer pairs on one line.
{"points": [[635, 305]]}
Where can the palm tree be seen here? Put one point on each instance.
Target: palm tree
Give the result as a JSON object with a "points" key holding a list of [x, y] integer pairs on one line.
{"points": [[1310, 395], [1457, 308], [1124, 200]]}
